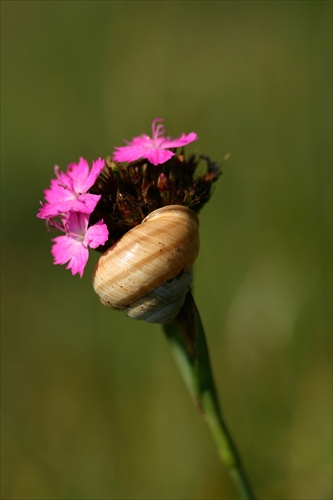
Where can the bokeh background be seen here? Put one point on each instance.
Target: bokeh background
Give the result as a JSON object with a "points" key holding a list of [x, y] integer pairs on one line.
{"points": [[92, 403]]}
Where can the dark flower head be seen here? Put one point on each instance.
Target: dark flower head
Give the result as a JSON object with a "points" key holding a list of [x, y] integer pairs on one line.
{"points": [[128, 193]]}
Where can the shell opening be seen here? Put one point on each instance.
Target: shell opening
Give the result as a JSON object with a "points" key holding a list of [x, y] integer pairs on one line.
{"points": [[162, 304]]}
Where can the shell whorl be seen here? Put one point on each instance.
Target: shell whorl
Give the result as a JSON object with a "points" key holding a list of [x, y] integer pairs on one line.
{"points": [[148, 271]]}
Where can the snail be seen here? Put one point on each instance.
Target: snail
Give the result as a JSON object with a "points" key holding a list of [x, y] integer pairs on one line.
{"points": [[148, 272]]}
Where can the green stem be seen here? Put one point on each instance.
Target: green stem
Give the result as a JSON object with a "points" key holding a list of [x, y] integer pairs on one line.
{"points": [[188, 343]]}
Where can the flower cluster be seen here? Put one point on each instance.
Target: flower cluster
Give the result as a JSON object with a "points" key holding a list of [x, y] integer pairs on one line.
{"points": [[95, 208], [68, 207]]}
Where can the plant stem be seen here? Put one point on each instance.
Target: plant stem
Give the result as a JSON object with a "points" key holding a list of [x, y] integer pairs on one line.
{"points": [[188, 343]]}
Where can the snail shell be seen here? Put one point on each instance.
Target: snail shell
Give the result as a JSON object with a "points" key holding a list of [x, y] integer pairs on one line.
{"points": [[147, 273]]}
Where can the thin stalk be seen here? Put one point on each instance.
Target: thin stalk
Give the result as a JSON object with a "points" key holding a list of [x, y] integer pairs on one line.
{"points": [[188, 343]]}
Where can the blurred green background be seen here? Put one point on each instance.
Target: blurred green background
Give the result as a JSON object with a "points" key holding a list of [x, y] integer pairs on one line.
{"points": [[92, 403]]}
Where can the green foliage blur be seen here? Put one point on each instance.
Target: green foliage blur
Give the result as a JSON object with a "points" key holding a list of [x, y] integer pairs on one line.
{"points": [[92, 403]]}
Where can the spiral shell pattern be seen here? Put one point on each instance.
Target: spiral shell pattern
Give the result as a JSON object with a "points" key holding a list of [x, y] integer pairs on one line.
{"points": [[148, 271]]}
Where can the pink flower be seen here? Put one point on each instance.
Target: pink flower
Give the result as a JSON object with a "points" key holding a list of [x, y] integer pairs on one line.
{"points": [[69, 190], [155, 149], [73, 247]]}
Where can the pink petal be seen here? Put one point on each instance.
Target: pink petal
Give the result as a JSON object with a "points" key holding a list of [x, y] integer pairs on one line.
{"points": [[45, 212], [128, 153], [96, 235], [78, 172], [183, 140], [82, 178], [96, 169], [58, 192], [156, 155], [65, 249], [78, 261], [85, 203]]}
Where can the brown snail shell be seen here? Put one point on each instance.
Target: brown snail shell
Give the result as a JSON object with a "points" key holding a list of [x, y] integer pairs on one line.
{"points": [[147, 273]]}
